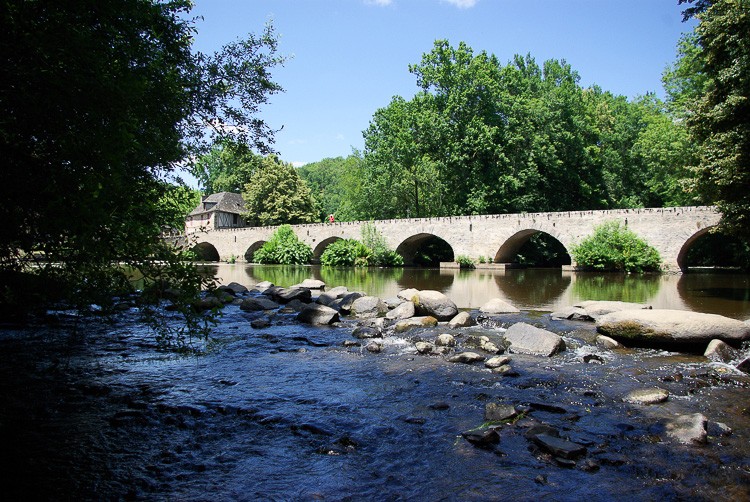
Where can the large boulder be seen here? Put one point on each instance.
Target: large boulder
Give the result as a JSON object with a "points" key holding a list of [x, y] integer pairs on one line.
{"points": [[498, 306], [594, 309], [461, 320], [720, 352], [527, 339], [311, 284], [404, 311], [435, 304], [670, 328], [407, 294], [344, 304], [286, 295], [318, 314], [368, 306], [332, 295], [255, 304]]}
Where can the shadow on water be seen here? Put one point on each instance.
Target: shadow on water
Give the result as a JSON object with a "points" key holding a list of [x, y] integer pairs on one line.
{"points": [[716, 293]]}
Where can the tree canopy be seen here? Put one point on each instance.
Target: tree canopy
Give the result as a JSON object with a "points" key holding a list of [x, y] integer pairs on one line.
{"points": [[718, 119], [101, 100], [276, 195], [483, 137]]}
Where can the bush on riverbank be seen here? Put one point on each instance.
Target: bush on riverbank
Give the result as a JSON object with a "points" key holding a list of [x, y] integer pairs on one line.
{"points": [[283, 248], [372, 251], [615, 248], [345, 253]]}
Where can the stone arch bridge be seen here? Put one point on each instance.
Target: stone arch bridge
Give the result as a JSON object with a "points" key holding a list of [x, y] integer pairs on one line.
{"points": [[672, 231]]}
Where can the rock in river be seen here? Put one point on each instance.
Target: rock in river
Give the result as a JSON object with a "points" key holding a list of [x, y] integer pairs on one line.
{"points": [[597, 308], [498, 306], [462, 320], [661, 327], [403, 311], [435, 304], [253, 304], [689, 429], [415, 322], [318, 314], [466, 358], [368, 307], [647, 396], [527, 339]]}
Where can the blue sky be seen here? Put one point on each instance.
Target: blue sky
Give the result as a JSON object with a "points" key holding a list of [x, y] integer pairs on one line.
{"points": [[349, 57]]}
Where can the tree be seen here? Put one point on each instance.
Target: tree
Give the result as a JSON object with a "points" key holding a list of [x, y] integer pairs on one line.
{"points": [[718, 123], [276, 195], [334, 184], [227, 167], [100, 101], [402, 180]]}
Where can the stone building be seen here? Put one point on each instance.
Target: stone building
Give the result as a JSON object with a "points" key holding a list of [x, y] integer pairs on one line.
{"points": [[217, 211]]}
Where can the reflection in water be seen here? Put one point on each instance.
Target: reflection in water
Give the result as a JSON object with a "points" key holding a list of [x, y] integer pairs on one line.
{"points": [[533, 288], [715, 293], [617, 287], [529, 289]]}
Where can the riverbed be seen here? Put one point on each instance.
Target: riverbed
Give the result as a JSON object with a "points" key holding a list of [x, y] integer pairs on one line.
{"points": [[94, 410]]}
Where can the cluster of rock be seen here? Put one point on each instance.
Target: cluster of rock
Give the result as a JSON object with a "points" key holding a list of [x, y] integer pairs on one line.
{"points": [[411, 309], [618, 323], [640, 325]]}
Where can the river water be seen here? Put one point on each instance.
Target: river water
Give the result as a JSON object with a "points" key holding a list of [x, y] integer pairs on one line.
{"points": [[289, 412]]}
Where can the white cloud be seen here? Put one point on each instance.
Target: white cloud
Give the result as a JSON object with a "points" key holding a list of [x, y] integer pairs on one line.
{"points": [[298, 163], [380, 3], [462, 4]]}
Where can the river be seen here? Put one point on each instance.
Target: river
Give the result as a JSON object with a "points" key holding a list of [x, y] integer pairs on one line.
{"points": [[93, 410], [528, 289]]}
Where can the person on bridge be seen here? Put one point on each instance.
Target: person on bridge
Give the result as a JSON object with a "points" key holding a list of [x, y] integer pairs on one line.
{"points": [[330, 218]]}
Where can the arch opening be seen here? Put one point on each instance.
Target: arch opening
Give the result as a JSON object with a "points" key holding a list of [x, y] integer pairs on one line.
{"points": [[425, 250], [252, 249], [321, 248], [714, 250], [205, 251], [533, 248]]}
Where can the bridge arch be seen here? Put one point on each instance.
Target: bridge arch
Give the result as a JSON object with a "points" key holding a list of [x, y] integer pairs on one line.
{"points": [[321, 247], [252, 249], [205, 251], [510, 248], [410, 246], [706, 248]]}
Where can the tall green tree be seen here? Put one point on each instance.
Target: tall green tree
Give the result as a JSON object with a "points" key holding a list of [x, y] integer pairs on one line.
{"points": [[719, 121], [227, 167], [276, 195], [100, 101], [334, 184]]}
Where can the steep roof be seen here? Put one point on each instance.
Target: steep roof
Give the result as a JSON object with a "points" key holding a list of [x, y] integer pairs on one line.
{"points": [[227, 202]]}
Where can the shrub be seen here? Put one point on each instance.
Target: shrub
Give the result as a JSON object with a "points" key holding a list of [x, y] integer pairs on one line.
{"points": [[380, 255], [482, 259], [465, 261], [613, 247], [283, 248], [345, 253]]}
